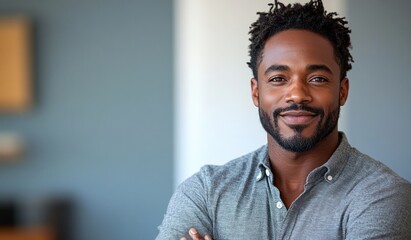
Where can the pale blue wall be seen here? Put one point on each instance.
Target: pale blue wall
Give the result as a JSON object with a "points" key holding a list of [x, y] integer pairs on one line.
{"points": [[101, 127], [379, 111]]}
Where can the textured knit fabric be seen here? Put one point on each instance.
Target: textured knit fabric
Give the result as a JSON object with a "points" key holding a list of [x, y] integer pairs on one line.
{"points": [[351, 196]]}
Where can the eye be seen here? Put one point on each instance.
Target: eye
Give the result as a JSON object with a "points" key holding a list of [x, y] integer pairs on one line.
{"points": [[318, 80], [277, 79]]}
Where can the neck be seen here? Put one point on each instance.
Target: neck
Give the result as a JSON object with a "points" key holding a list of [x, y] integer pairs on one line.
{"points": [[291, 169]]}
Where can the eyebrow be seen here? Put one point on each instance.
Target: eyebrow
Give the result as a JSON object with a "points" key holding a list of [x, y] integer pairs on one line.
{"points": [[274, 68], [313, 67], [319, 67]]}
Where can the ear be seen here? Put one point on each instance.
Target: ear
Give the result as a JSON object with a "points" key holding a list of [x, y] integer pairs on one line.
{"points": [[254, 91], [344, 88]]}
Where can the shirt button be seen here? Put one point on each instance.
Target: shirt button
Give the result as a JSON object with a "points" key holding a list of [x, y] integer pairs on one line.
{"points": [[267, 172], [329, 178], [279, 204]]}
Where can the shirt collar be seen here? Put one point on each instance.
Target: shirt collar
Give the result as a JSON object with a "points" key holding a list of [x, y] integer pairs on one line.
{"points": [[264, 164], [338, 159]]}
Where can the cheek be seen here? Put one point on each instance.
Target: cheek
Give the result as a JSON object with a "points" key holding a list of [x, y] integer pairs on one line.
{"points": [[329, 103], [269, 100]]}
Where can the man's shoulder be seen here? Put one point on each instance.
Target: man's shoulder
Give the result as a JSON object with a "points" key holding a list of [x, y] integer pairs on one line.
{"points": [[376, 196], [212, 180], [236, 171], [372, 176]]}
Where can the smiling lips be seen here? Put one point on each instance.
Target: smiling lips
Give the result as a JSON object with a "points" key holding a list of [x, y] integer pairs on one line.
{"points": [[297, 117]]}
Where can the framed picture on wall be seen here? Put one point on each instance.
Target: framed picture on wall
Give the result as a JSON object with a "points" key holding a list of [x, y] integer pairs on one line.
{"points": [[15, 64]]}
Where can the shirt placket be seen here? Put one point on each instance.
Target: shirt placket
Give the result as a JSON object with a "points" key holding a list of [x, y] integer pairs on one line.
{"points": [[277, 207]]}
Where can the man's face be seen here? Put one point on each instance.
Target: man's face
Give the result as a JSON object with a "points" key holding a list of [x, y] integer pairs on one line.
{"points": [[299, 92]]}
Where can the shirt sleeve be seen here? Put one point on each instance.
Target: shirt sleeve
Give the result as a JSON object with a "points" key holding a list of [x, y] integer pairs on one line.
{"points": [[187, 208], [383, 214]]}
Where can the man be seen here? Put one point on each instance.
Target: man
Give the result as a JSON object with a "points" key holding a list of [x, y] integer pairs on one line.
{"points": [[307, 182]]}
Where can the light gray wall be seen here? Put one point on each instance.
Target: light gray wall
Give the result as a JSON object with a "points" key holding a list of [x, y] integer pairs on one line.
{"points": [[101, 127], [380, 84]]}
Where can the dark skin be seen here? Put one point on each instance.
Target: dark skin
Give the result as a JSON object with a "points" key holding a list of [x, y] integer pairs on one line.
{"points": [[300, 67]]}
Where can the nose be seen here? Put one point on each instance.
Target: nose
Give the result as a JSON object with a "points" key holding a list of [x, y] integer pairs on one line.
{"points": [[298, 92]]}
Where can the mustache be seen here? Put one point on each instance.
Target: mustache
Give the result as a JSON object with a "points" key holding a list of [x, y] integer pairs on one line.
{"points": [[296, 107]]}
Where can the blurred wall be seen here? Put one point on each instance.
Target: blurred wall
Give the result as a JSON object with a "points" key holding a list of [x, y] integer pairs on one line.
{"points": [[216, 120], [380, 81], [101, 127]]}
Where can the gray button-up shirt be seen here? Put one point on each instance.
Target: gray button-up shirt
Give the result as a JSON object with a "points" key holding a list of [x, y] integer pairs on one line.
{"points": [[350, 197]]}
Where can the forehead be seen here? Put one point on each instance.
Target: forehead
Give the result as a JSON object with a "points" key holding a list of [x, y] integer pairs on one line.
{"points": [[298, 48]]}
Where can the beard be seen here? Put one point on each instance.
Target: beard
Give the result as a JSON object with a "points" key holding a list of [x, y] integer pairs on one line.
{"points": [[298, 143]]}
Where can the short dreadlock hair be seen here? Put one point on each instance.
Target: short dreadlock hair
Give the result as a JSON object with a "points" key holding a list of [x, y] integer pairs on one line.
{"points": [[311, 17]]}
